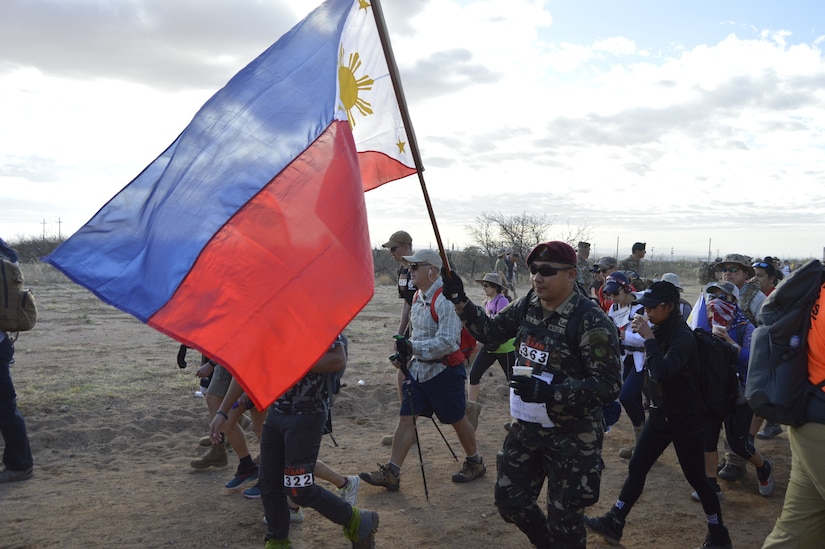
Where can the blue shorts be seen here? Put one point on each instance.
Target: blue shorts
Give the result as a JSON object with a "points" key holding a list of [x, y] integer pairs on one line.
{"points": [[443, 395]]}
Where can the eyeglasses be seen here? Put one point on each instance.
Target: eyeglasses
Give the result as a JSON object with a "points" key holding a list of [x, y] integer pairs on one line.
{"points": [[415, 266], [729, 269], [762, 264], [394, 248], [547, 270]]}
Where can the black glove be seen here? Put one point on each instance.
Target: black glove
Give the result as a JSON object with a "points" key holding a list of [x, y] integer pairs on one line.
{"points": [[532, 389], [403, 347], [453, 286]]}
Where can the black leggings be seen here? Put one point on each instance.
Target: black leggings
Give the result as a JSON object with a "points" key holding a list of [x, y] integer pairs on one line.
{"points": [[484, 360], [686, 433]]}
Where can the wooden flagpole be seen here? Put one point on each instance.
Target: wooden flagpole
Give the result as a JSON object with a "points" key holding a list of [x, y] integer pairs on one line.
{"points": [[383, 34]]}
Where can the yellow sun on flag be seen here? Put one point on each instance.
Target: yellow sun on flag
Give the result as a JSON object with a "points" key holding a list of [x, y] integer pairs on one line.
{"points": [[363, 4], [401, 144], [350, 85]]}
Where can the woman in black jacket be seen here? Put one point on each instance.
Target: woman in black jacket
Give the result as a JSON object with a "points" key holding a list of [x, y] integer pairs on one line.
{"points": [[675, 416]]}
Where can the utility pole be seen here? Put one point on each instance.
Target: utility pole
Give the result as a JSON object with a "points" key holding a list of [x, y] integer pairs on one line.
{"points": [[59, 232], [44, 228]]}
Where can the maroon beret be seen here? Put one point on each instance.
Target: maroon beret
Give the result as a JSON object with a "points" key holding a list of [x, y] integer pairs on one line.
{"points": [[555, 250]]}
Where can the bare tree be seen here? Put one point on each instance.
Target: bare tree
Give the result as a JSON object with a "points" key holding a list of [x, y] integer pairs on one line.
{"points": [[485, 234], [521, 232], [574, 236]]}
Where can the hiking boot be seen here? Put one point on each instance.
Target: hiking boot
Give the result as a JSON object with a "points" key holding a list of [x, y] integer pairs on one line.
{"points": [[382, 477], [765, 476], [216, 457], [470, 471], [731, 472], [361, 528], [627, 453], [508, 425], [717, 538], [349, 493], [253, 492], [608, 526], [473, 410], [7, 475], [242, 477], [207, 440], [769, 431]]}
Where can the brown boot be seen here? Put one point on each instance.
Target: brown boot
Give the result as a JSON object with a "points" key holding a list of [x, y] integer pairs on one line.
{"points": [[627, 453], [216, 457]]}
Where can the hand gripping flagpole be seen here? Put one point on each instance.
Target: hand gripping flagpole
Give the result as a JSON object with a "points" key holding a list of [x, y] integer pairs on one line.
{"points": [[383, 34]]}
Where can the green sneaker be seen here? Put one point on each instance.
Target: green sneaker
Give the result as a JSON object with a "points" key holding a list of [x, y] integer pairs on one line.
{"points": [[278, 544]]}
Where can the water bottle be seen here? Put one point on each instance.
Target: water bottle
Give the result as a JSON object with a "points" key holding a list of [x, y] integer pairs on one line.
{"points": [[794, 342]]}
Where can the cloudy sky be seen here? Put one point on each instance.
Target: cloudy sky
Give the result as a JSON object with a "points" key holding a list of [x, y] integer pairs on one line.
{"points": [[682, 124]]}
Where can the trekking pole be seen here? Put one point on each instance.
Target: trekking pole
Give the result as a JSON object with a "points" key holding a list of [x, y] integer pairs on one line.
{"points": [[455, 457], [403, 361]]}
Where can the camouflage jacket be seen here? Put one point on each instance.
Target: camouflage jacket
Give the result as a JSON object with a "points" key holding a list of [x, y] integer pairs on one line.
{"points": [[633, 264], [577, 343]]}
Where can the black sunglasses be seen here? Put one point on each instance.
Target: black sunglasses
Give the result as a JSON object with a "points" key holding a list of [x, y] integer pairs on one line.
{"points": [[415, 266], [729, 269], [394, 248], [547, 270]]}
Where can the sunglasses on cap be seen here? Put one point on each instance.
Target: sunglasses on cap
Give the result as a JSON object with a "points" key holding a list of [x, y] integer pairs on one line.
{"points": [[729, 269], [415, 266], [762, 264], [547, 270]]}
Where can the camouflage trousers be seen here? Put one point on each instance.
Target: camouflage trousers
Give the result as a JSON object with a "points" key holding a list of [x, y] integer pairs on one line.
{"points": [[572, 465]]}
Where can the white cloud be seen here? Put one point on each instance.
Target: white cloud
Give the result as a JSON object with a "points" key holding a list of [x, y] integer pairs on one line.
{"points": [[669, 143]]}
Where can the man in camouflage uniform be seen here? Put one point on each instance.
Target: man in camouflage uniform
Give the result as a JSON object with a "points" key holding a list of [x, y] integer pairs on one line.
{"points": [[585, 275], [573, 349], [633, 262]]}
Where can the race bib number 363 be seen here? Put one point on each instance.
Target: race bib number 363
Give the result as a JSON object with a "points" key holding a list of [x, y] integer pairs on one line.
{"points": [[531, 353], [298, 481]]}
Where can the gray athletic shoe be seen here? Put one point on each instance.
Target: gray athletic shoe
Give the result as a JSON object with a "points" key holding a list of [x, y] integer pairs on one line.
{"points": [[7, 475]]}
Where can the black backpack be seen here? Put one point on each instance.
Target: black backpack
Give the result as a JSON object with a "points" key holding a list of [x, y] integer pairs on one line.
{"points": [[718, 382], [778, 388], [332, 386]]}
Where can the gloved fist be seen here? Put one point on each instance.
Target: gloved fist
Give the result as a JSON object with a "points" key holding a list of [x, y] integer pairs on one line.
{"points": [[453, 286], [403, 347], [532, 389]]}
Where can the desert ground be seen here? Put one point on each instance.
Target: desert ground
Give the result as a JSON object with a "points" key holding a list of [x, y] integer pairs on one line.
{"points": [[114, 423]]}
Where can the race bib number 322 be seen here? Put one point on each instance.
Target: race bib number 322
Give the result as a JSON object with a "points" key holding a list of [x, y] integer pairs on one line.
{"points": [[298, 481]]}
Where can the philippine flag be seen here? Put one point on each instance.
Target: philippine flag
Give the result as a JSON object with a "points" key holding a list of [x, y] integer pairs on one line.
{"points": [[247, 238], [698, 317]]}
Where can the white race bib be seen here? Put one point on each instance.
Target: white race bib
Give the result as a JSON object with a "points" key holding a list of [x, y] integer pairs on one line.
{"points": [[536, 356], [298, 481], [534, 412]]}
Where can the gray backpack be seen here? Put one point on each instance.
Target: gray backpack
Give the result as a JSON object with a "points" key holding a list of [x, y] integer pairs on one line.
{"points": [[778, 388]]}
